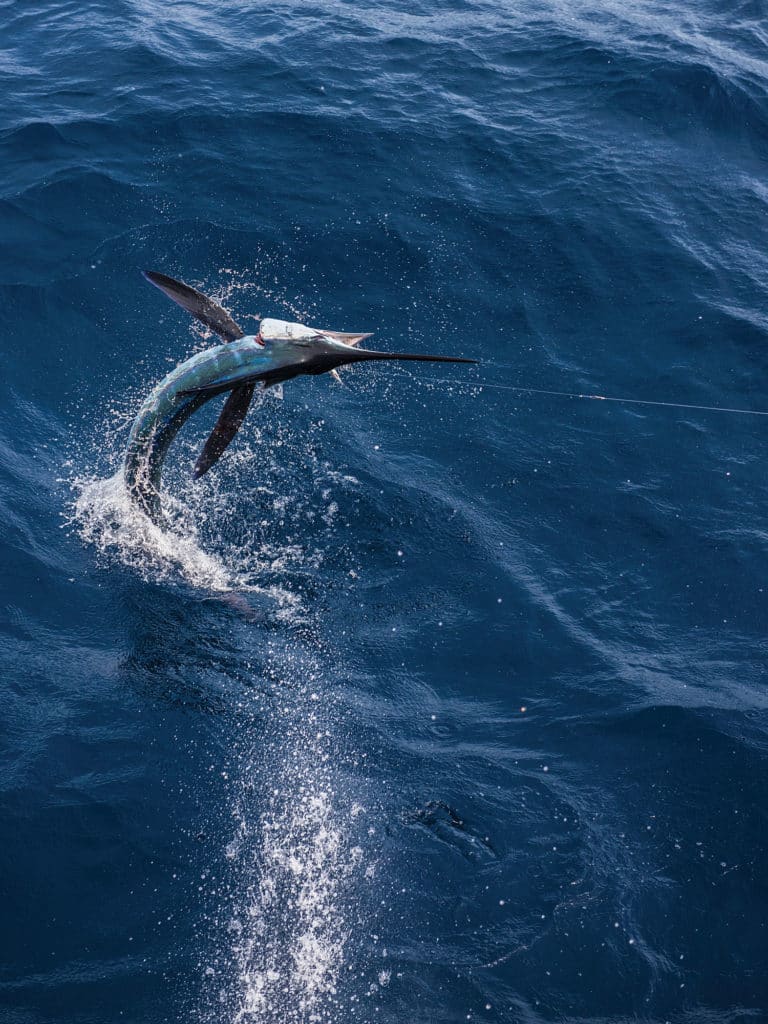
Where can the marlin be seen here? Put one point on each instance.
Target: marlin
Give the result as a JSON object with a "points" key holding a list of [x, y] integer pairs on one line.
{"points": [[277, 352]]}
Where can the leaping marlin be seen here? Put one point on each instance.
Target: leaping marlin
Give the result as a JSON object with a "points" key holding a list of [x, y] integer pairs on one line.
{"points": [[279, 351]]}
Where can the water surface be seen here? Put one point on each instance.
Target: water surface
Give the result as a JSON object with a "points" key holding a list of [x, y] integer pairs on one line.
{"points": [[492, 744]]}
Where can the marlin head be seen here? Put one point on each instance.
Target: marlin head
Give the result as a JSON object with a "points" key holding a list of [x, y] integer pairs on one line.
{"points": [[313, 351], [291, 350]]}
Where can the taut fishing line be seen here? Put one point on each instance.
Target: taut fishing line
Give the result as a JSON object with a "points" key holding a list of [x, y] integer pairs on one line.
{"points": [[574, 394]]}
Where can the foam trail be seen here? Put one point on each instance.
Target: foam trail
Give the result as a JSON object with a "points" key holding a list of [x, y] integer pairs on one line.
{"points": [[294, 866]]}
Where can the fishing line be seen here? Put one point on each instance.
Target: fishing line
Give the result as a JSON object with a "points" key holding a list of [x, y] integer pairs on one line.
{"points": [[595, 398]]}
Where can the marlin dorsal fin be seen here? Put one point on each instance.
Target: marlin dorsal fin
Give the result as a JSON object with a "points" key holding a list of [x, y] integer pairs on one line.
{"points": [[200, 306]]}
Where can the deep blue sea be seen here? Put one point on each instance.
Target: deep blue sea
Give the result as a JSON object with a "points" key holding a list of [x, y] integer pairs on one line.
{"points": [[446, 701]]}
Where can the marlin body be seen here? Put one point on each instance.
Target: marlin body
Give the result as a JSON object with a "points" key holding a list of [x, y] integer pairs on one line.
{"points": [[168, 407], [279, 351]]}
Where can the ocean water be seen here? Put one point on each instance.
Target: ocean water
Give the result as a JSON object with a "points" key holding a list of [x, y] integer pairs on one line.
{"points": [[447, 701]]}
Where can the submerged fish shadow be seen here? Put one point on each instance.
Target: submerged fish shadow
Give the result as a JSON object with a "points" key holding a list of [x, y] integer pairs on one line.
{"points": [[444, 824]]}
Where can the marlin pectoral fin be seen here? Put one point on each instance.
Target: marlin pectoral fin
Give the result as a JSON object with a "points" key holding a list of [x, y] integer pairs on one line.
{"points": [[206, 310], [227, 425], [347, 338]]}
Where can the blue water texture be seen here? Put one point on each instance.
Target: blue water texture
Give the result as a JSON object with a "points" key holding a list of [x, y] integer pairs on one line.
{"points": [[445, 701]]}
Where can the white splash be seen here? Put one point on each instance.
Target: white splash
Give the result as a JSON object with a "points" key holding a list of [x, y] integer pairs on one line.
{"points": [[107, 519], [251, 538]]}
